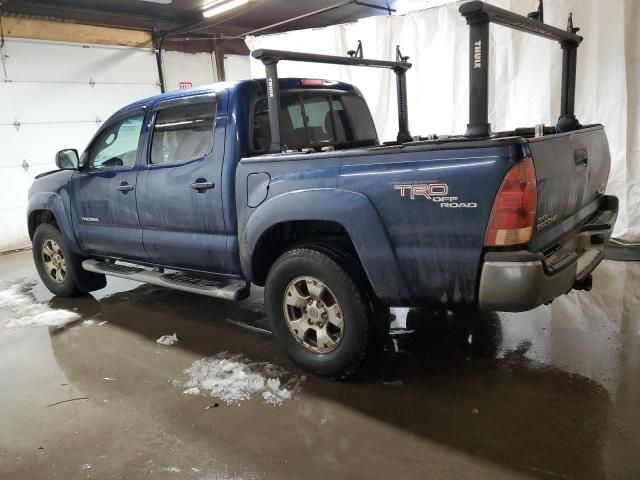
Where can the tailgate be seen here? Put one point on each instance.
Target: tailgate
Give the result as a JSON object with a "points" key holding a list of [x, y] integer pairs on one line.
{"points": [[571, 171]]}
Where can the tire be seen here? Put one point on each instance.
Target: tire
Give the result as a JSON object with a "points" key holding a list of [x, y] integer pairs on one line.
{"points": [[56, 264], [305, 272], [353, 268]]}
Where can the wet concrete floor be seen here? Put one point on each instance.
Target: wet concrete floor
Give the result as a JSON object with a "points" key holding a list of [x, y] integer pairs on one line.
{"points": [[551, 393]]}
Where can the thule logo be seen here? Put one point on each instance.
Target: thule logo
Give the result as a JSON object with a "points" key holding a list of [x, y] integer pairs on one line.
{"points": [[270, 87], [89, 219], [477, 54]]}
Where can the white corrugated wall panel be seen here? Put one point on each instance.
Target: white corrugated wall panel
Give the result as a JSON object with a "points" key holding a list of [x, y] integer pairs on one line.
{"points": [[59, 93], [194, 68], [236, 67]]}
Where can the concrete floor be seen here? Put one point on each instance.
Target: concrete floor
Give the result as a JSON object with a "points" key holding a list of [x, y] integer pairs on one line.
{"points": [[551, 393]]}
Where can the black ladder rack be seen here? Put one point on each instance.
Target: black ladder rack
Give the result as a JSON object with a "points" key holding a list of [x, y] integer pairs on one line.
{"points": [[479, 15], [270, 59]]}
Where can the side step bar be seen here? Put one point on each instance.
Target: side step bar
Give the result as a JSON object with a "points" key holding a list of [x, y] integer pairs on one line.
{"points": [[175, 280]]}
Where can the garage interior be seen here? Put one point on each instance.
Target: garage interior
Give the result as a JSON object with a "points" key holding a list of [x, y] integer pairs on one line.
{"points": [[108, 384]]}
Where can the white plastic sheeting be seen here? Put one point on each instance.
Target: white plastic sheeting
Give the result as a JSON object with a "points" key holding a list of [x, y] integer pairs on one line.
{"points": [[525, 78]]}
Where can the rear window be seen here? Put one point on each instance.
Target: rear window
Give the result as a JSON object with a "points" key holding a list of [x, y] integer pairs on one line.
{"points": [[315, 120]]}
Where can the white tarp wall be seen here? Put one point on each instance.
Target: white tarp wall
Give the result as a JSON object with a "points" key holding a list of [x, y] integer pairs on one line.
{"points": [[525, 80], [59, 93]]}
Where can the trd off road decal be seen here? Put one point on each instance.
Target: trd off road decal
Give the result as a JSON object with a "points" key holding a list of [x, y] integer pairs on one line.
{"points": [[435, 192]]}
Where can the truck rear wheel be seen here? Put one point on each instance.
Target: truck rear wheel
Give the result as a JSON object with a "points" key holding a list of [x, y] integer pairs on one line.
{"points": [[54, 262], [319, 315]]}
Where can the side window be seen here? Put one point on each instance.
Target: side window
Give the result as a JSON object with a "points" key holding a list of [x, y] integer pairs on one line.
{"points": [[117, 145], [183, 132], [343, 130], [261, 130], [356, 118]]}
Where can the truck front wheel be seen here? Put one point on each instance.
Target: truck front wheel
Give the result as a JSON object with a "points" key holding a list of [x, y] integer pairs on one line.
{"points": [[318, 314], [54, 262]]}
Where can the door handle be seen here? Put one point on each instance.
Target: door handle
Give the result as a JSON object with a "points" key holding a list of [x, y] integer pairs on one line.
{"points": [[125, 187], [202, 185], [581, 157]]}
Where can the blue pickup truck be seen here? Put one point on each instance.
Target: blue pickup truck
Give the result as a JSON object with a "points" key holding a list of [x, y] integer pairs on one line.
{"points": [[283, 183]]}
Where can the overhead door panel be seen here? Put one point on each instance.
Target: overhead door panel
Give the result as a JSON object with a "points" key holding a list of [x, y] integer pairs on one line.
{"points": [[55, 95]]}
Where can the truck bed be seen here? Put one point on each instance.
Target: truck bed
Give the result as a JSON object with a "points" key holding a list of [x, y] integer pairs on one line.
{"points": [[433, 239]]}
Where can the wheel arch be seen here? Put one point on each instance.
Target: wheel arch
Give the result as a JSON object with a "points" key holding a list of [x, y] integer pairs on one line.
{"points": [[37, 217], [49, 208], [284, 235], [324, 214]]}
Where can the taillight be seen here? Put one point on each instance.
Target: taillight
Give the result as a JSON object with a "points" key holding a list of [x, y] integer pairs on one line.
{"points": [[514, 209]]}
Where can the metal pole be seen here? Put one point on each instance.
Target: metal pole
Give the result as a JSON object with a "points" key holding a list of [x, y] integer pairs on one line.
{"points": [[218, 54], [158, 41]]}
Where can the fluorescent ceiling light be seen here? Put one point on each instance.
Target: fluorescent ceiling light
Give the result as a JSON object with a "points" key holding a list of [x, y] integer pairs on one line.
{"points": [[223, 6]]}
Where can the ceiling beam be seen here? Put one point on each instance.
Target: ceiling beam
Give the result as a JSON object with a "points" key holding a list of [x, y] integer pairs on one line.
{"points": [[101, 18], [71, 32]]}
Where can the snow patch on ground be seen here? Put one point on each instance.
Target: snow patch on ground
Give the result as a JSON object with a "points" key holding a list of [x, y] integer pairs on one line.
{"points": [[168, 340], [234, 378], [25, 311]]}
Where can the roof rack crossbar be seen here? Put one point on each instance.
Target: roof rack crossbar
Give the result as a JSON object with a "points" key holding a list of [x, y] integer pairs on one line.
{"points": [[479, 15], [270, 59]]}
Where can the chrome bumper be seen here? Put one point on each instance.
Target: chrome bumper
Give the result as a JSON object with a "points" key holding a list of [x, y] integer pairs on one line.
{"points": [[520, 281], [521, 286]]}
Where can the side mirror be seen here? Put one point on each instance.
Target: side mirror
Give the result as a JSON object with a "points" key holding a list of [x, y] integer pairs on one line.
{"points": [[67, 159]]}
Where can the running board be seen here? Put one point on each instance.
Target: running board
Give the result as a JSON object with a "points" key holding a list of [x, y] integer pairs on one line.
{"points": [[175, 280]]}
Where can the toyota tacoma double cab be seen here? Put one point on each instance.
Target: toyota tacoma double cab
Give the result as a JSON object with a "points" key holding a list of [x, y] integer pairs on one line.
{"points": [[283, 183]]}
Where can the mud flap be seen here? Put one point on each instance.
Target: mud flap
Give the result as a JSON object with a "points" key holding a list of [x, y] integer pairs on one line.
{"points": [[87, 281]]}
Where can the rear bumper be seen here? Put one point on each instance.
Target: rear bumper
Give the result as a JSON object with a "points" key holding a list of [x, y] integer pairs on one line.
{"points": [[520, 281]]}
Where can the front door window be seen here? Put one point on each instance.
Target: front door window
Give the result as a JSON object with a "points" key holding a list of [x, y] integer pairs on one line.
{"points": [[117, 145]]}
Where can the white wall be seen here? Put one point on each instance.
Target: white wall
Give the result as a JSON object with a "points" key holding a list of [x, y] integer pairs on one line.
{"points": [[236, 67], [525, 76], [46, 86], [194, 68]]}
